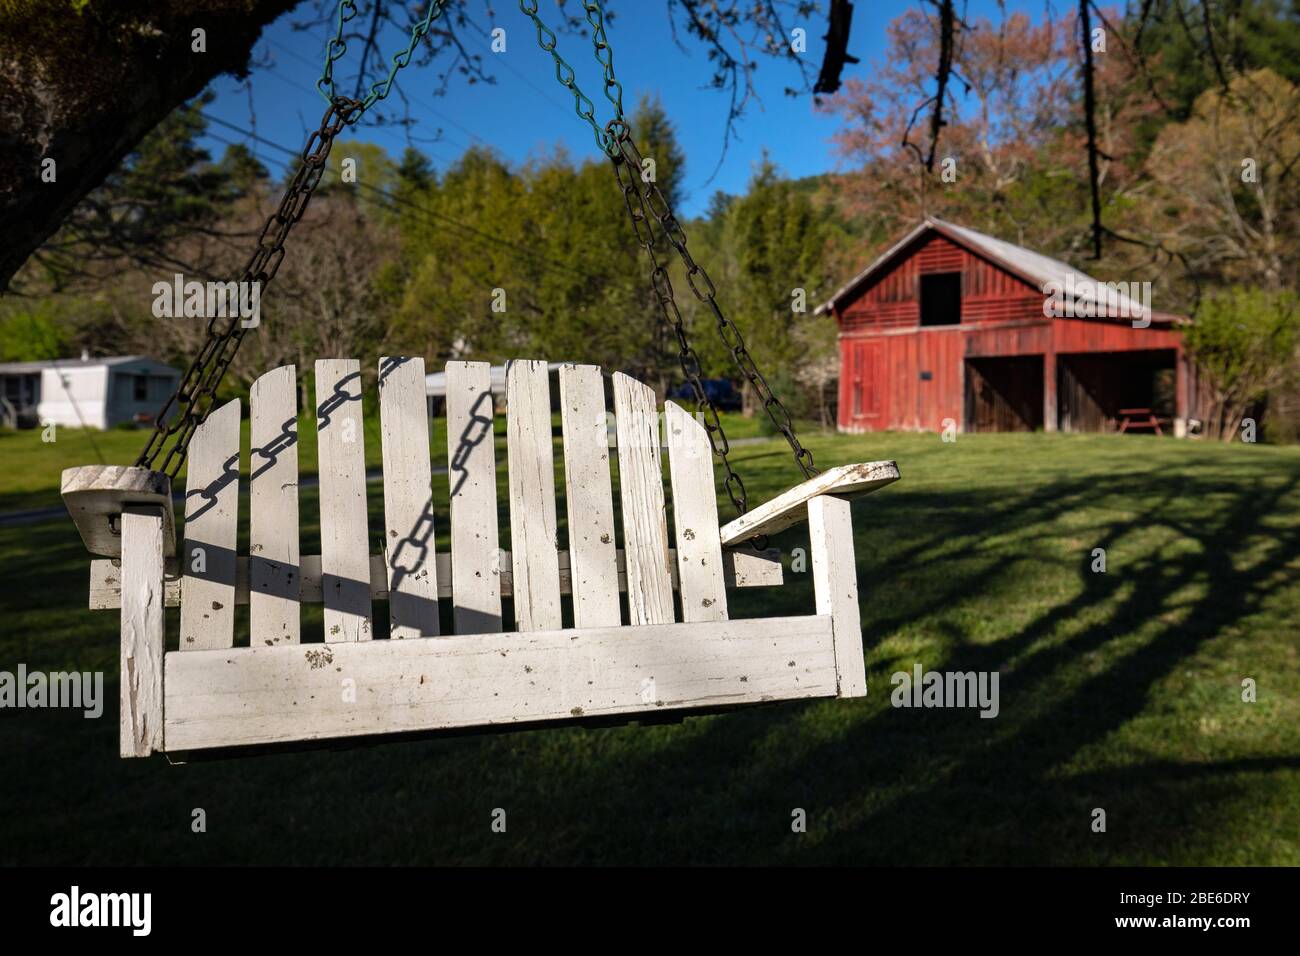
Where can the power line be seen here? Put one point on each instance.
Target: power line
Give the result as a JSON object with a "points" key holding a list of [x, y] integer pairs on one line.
{"points": [[377, 129], [422, 105], [524, 78], [63, 380], [481, 40], [430, 215]]}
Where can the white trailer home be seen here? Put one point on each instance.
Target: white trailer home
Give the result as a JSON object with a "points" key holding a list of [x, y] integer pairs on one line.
{"points": [[90, 392]]}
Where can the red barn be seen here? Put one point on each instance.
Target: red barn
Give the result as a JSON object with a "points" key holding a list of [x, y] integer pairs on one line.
{"points": [[953, 328]]}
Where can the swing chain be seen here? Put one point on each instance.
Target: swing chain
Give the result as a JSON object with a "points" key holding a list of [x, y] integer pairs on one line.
{"points": [[197, 392], [567, 77], [706, 292], [618, 145], [337, 46], [605, 57], [672, 316]]}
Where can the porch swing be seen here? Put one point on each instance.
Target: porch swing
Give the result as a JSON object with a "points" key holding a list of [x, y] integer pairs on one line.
{"points": [[208, 695]]}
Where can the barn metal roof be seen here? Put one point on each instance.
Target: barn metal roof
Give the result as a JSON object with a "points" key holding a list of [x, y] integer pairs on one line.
{"points": [[1033, 267]]}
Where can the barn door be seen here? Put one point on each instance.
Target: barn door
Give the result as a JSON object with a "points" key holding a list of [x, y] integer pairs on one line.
{"points": [[1004, 394], [866, 386]]}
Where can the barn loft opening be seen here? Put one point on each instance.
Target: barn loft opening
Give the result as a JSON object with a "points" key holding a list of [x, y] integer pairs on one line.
{"points": [[941, 298]]}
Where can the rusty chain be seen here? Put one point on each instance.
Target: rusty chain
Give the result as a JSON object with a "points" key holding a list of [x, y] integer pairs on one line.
{"points": [[616, 142], [196, 394], [672, 316], [621, 149], [702, 286]]}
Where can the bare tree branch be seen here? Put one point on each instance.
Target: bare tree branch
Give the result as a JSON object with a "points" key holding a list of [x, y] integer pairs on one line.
{"points": [[1090, 121]]}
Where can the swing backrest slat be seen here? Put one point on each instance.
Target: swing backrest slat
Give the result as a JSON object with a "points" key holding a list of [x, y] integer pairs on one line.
{"points": [[207, 579], [530, 470], [641, 490], [695, 517], [472, 473], [211, 531], [274, 563], [408, 499], [345, 548], [593, 551]]}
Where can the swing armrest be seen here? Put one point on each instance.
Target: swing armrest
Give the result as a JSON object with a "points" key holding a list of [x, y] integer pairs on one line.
{"points": [[790, 507], [96, 495]]}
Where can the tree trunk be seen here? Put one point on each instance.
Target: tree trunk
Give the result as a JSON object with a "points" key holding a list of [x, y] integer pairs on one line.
{"points": [[81, 84]]}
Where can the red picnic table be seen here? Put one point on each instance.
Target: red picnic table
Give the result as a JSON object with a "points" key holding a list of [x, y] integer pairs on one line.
{"points": [[1137, 418]]}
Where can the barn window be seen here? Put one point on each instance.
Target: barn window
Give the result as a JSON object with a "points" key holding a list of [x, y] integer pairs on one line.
{"points": [[140, 385], [941, 298]]}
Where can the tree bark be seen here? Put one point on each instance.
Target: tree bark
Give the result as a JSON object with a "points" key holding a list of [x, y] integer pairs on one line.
{"points": [[81, 83]]}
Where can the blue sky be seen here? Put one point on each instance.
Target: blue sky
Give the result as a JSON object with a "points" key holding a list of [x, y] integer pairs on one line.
{"points": [[527, 112]]}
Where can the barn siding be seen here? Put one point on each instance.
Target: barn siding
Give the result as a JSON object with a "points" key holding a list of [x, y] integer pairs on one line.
{"points": [[1085, 335], [884, 351], [989, 294]]}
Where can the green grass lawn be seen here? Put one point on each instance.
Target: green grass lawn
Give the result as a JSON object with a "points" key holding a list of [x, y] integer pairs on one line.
{"points": [[1119, 690], [29, 478]]}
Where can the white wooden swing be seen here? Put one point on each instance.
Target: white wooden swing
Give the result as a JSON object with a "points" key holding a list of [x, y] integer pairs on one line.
{"points": [[207, 693]]}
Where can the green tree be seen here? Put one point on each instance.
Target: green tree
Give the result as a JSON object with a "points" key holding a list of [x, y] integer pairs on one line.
{"points": [[244, 171], [459, 238], [368, 169], [1247, 35], [591, 295], [414, 172], [656, 138], [777, 240], [154, 210], [1244, 342], [554, 238], [30, 331]]}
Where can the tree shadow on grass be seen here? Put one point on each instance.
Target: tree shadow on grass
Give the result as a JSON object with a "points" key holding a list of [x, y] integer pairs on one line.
{"points": [[1078, 664], [943, 786], [1004, 793]]}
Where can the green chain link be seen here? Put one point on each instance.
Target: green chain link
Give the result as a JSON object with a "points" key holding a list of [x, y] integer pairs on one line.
{"points": [[567, 77], [615, 141], [337, 46], [613, 88]]}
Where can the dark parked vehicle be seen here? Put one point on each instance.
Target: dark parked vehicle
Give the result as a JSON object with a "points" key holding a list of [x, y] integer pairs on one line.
{"points": [[720, 392]]}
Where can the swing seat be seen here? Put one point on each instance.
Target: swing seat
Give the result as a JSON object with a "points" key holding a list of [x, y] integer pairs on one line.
{"points": [[596, 658]]}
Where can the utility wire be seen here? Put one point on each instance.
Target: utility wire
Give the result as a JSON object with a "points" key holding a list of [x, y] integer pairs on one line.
{"points": [[63, 380], [377, 129], [523, 77], [482, 40], [424, 106], [430, 215]]}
